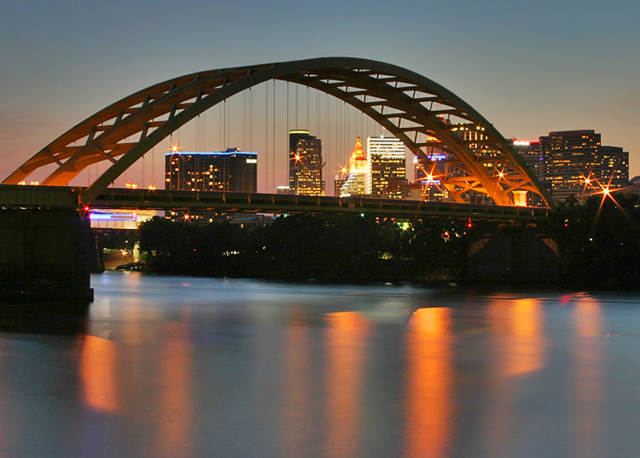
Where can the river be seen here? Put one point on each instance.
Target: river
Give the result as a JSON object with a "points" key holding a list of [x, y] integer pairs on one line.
{"points": [[195, 367]]}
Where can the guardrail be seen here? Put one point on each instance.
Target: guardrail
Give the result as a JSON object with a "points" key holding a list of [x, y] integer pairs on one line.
{"points": [[143, 199]]}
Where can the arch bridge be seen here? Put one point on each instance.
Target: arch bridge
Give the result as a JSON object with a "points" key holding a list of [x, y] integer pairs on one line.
{"points": [[423, 114]]}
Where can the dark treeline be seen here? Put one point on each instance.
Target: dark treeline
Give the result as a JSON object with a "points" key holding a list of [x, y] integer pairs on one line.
{"points": [[598, 242], [327, 248]]}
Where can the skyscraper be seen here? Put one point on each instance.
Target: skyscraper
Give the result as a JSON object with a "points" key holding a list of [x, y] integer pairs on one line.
{"points": [[474, 138], [575, 163], [305, 164], [427, 174], [354, 185], [231, 170], [386, 169], [530, 152]]}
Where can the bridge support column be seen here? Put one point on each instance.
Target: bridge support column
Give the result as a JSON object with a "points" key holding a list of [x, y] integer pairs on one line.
{"points": [[44, 255], [513, 255]]}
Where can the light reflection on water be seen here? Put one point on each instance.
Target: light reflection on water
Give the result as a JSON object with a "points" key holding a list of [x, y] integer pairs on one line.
{"points": [[175, 367]]}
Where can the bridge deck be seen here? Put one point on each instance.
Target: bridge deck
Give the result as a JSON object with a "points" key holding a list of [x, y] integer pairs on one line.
{"points": [[142, 199]]}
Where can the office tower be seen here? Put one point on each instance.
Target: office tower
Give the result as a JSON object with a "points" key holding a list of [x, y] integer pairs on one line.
{"points": [[575, 163], [474, 138], [532, 156], [305, 164], [294, 165], [428, 186], [386, 169], [612, 166], [231, 170], [337, 185], [427, 175], [530, 153], [354, 185]]}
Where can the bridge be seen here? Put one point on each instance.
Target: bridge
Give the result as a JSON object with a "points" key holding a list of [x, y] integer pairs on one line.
{"points": [[419, 111], [232, 202]]}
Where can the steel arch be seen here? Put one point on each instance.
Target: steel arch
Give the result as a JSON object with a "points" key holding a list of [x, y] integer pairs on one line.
{"points": [[420, 112]]}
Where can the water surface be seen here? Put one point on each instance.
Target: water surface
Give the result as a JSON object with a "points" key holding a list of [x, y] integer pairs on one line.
{"points": [[193, 367]]}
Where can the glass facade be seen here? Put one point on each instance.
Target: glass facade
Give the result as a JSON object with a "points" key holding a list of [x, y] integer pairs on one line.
{"points": [[305, 164], [386, 168], [575, 163], [231, 170], [354, 185]]}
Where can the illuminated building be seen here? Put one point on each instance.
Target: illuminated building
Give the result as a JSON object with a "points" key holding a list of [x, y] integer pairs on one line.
{"points": [[337, 185], [120, 219], [529, 151], [575, 163], [354, 185], [428, 186], [612, 166], [386, 168], [473, 137], [231, 170], [305, 164], [427, 172]]}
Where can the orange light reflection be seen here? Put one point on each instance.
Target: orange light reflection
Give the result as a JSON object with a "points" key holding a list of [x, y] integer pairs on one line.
{"points": [[527, 344], [97, 369], [519, 349], [346, 337], [429, 402]]}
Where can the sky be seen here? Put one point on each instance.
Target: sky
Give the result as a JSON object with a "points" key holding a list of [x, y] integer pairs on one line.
{"points": [[529, 66]]}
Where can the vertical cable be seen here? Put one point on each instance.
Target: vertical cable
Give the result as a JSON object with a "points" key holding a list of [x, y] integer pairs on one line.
{"points": [[153, 167], [287, 141], [308, 109], [273, 151], [266, 138]]}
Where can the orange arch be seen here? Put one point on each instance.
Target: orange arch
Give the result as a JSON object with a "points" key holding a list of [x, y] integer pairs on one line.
{"points": [[417, 110]]}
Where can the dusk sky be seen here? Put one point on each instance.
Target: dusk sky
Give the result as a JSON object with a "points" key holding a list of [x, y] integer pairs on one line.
{"points": [[527, 66]]}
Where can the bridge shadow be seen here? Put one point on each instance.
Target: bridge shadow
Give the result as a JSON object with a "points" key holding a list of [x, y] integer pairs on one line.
{"points": [[42, 317]]}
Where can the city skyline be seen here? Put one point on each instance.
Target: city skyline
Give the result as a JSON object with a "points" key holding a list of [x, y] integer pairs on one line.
{"points": [[537, 70]]}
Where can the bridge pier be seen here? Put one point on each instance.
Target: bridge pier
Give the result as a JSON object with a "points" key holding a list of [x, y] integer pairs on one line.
{"points": [[44, 255], [513, 255]]}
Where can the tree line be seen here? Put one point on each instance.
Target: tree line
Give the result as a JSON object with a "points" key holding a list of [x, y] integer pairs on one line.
{"points": [[598, 242], [297, 247]]}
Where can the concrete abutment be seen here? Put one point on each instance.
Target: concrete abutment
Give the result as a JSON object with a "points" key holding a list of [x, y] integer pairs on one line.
{"points": [[45, 255]]}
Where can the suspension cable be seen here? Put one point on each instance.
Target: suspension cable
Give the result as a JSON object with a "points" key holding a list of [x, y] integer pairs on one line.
{"points": [[273, 151], [266, 137]]}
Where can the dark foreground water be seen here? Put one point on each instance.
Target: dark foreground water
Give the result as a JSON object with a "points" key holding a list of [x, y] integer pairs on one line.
{"points": [[186, 367]]}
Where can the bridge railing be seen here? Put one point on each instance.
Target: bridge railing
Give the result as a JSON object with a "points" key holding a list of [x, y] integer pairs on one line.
{"points": [[142, 199]]}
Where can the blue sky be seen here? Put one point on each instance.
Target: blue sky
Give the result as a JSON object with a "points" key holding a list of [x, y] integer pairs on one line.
{"points": [[527, 66]]}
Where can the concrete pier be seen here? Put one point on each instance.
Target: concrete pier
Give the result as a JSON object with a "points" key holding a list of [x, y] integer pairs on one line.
{"points": [[45, 255]]}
